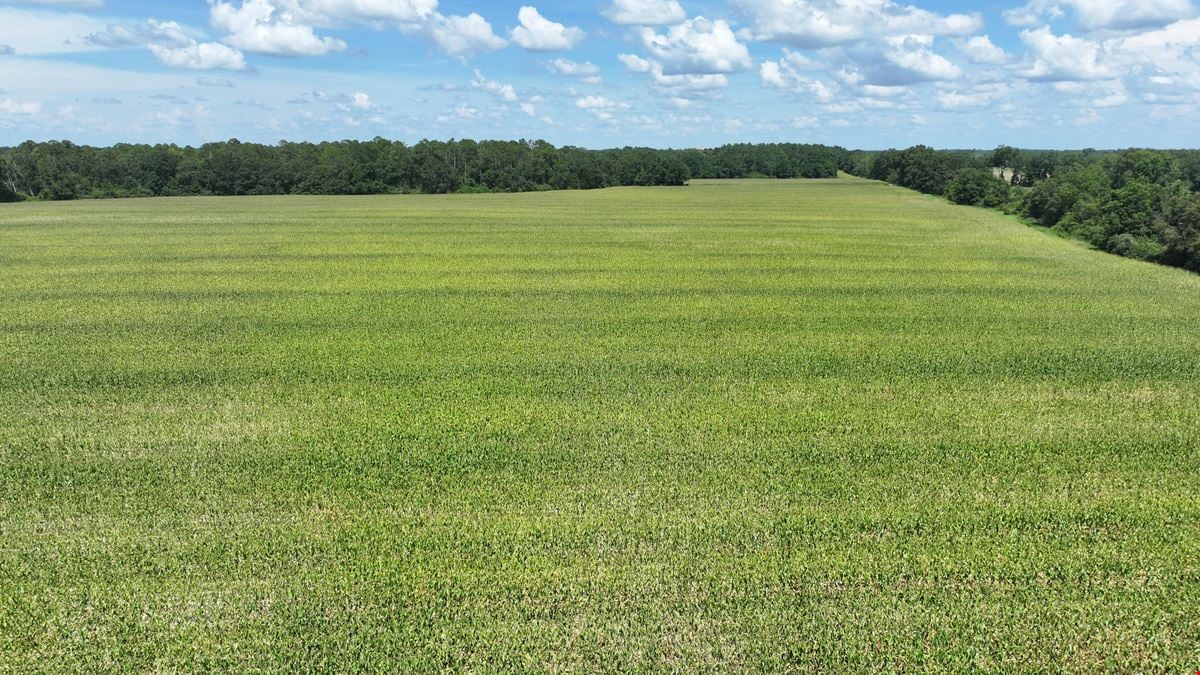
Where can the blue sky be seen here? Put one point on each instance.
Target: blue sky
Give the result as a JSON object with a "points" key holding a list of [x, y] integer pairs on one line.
{"points": [[601, 73]]}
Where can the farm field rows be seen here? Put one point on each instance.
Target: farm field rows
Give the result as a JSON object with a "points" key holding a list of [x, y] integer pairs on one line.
{"points": [[744, 425]]}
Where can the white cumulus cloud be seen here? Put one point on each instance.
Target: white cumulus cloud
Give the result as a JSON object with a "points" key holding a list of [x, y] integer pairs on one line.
{"points": [[980, 49], [289, 27], [504, 91], [788, 74], [464, 36], [600, 106], [12, 107], [671, 84], [172, 44], [1094, 15], [1063, 58], [200, 56], [539, 34], [587, 71], [814, 24], [260, 27], [900, 61], [645, 12], [698, 46], [328, 12]]}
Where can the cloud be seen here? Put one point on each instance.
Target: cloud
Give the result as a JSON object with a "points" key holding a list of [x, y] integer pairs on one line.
{"points": [[166, 33], [73, 4], [464, 36], [815, 24], [172, 44], [11, 107], [900, 61], [645, 12], [330, 12], [672, 85], [1027, 17], [634, 63], [31, 32], [289, 27], [259, 27], [786, 74], [176, 117], [504, 91], [6, 50], [955, 100], [587, 71], [200, 56], [206, 81], [980, 49], [683, 84], [1184, 34], [698, 46], [595, 102], [1115, 97], [1092, 15], [600, 106], [353, 106], [771, 74], [538, 34], [460, 112], [1174, 49], [1062, 58], [333, 13]]}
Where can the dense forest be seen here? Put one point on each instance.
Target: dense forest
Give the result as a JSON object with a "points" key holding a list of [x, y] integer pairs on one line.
{"points": [[1138, 203], [63, 170], [1141, 204]]}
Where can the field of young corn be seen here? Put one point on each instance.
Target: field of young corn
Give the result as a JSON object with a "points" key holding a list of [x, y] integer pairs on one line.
{"points": [[823, 425]]}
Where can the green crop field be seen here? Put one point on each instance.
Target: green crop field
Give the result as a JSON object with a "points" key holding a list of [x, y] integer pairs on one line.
{"points": [[735, 426]]}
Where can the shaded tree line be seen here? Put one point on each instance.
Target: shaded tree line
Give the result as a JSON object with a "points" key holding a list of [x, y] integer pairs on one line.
{"points": [[60, 170], [1141, 204]]}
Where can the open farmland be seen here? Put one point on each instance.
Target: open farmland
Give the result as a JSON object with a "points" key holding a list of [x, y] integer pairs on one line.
{"points": [[734, 426]]}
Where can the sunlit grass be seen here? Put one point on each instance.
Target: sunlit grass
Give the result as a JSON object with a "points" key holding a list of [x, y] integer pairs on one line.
{"points": [[736, 426]]}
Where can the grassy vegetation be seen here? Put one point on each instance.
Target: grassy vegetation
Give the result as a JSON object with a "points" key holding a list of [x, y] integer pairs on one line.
{"points": [[735, 426]]}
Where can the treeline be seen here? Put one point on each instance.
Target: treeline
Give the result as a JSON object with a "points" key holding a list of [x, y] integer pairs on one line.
{"points": [[1142, 204], [63, 170]]}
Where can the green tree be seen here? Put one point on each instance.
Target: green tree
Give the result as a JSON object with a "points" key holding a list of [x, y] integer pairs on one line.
{"points": [[977, 187]]}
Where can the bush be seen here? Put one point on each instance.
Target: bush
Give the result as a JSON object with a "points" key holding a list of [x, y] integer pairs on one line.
{"points": [[1132, 246], [977, 187]]}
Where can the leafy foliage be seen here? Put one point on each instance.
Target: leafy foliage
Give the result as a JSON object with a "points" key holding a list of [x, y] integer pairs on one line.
{"points": [[61, 170], [977, 187]]}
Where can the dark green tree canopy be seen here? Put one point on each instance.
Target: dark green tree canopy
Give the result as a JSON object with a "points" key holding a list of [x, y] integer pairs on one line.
{"points": [[63, 170]]}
